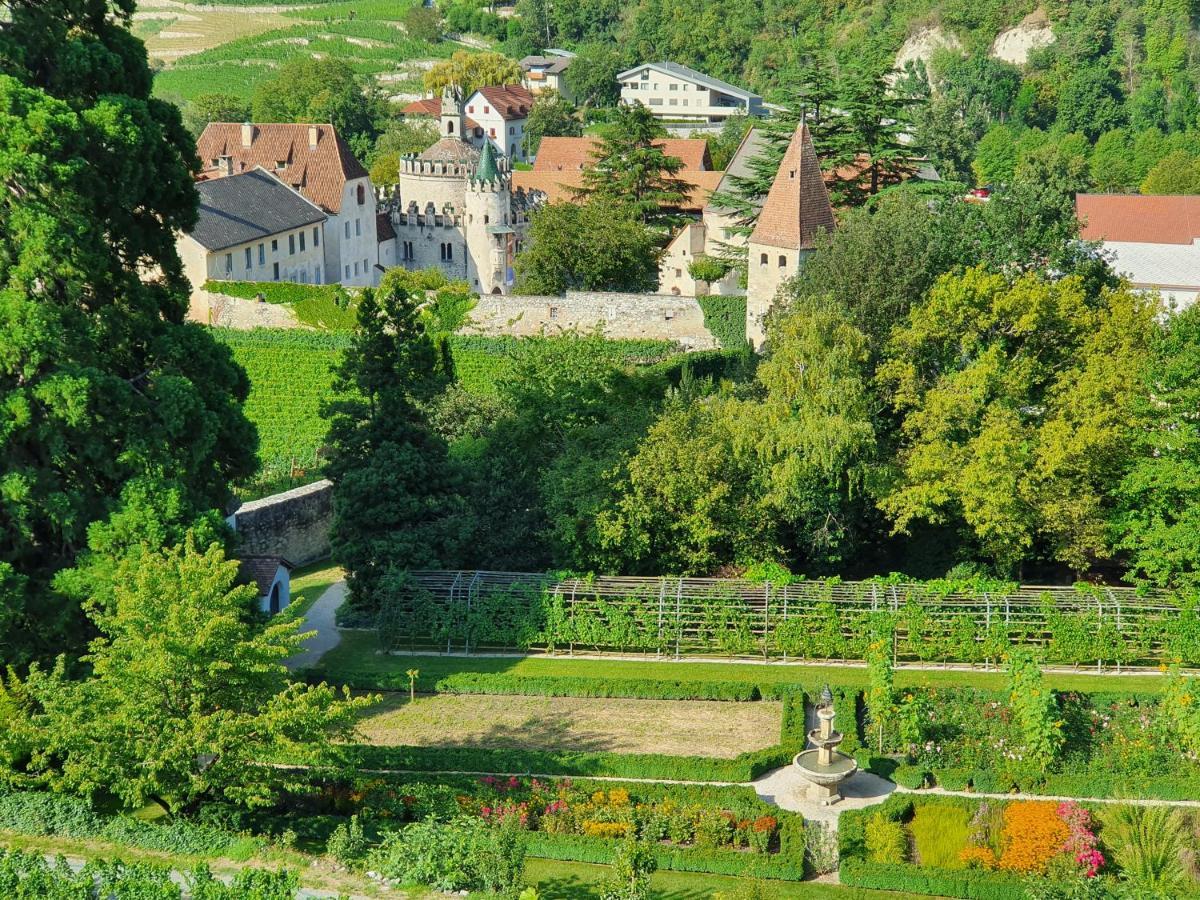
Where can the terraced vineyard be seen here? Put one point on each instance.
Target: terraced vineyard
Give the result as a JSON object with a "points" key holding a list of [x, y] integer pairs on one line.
{"points": [[367, 36]]}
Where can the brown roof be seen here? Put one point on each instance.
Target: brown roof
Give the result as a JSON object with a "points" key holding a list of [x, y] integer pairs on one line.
{"points": [[797, 206], [260, 571], [512, 101], [557, 185], [450, 149], [1139, 218], [432, 106], [565, 154], [319, 171], [383, 227]]}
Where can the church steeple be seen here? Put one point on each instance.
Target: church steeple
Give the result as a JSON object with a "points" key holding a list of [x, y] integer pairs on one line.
{"points": [[452, 112]]}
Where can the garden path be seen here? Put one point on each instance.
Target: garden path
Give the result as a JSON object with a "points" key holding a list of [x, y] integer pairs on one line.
{"points": [[320, 619]]}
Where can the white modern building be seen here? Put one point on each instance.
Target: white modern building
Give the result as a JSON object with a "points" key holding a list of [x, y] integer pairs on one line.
{"points": [[253, 227], [313, 160], [672, 91], [1153, 240]]}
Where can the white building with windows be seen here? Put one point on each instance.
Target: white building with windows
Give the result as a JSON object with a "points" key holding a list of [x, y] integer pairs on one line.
{"points": [[492, 114], [253, 227], [314, 161], [672, 91]]}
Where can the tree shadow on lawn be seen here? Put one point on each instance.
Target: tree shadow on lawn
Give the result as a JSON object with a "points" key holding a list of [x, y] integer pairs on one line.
{"points": [[547, 732], [573, 887]]}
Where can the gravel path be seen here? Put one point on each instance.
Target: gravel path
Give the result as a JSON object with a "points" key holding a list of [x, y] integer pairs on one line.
{"points": [[320, 618]]}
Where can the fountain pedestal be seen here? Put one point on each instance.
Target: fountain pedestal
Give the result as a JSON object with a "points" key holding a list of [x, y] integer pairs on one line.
{"points": [[824, 768]]}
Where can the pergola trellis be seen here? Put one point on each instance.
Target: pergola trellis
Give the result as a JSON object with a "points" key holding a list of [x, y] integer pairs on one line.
{"points": [[673, 616]]}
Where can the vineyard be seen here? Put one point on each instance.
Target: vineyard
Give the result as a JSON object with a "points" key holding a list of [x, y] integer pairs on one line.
{"points": [[819, 619], [371, 43], [291, 373]]}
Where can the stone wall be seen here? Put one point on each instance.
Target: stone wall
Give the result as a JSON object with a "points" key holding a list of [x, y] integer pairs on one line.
{"points": [[294, 524], [647, 316]]}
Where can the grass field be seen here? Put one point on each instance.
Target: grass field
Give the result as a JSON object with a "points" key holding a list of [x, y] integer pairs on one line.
{"points": [[358, 652], [673, 727]]}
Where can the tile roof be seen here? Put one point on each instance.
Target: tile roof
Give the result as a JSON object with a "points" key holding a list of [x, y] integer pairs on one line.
{"points": [[319, 171], [260, 571], [1139, 218], [693, 76], [432, 107], [565, 154], [247, 207], [512, 101], [797, 206], [383, 227], [552, 65], [450, 149], [557, 185]]}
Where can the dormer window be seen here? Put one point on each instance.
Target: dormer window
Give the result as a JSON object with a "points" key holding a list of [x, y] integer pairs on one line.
{"points": [[280, 164]]}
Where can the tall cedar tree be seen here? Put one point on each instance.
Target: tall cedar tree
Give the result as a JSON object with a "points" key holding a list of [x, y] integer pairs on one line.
{"points": [[631, 170], [114, 407], [395, 497]]}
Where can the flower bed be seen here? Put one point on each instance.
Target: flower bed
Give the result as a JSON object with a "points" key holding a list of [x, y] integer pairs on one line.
{"points": [[958, 847], [1112, 744], [721, 830]]}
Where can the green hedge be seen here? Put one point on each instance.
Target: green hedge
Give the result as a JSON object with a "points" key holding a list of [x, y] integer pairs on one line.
{"points": [[743, 768], [580, 848], [59, 815]]}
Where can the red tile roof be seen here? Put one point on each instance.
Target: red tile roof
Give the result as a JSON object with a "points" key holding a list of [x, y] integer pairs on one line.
{"points": [[432, 107], [512, 101], [565, 154], [797, 206], [1139, 218], [557, 185], [319, 172]]}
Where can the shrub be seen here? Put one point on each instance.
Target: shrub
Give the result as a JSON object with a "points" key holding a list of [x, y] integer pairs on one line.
{"points": [[459, 855], [885, 840], [940, 832], [347, 844], [632, 868], [911, 777], [1033, 835], [1147, 843]]}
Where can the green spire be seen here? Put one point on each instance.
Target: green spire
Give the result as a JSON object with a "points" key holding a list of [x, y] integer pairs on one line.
{"points": [[487, 170]]}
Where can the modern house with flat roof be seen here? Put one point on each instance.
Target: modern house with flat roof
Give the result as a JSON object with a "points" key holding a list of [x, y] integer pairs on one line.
{"points": [[672, 91], [1153, 240], [253, 227]]}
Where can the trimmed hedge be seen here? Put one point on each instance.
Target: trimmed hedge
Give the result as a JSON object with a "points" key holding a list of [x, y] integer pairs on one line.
{"points": [[581, 848], [743, 768]]}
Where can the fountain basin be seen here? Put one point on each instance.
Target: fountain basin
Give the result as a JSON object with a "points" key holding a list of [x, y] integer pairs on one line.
{"points": [[838, 769]]}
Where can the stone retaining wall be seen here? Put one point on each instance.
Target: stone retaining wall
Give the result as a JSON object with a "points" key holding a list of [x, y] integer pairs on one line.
{"points": [[647, 316]]}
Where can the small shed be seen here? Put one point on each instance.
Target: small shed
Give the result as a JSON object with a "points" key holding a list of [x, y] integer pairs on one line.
{"points": [[271, 577]]}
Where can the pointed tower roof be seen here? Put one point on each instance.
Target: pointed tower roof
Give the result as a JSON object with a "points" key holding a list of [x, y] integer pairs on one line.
{"points": [[487, 170], [797, 206]]}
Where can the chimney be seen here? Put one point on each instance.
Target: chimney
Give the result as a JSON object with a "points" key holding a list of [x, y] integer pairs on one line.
{"points": [[247, 134], [312, 137], [226, 165]]}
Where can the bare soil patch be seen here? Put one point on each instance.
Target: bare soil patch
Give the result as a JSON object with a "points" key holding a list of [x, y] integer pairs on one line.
{"points": [[674, 727]]}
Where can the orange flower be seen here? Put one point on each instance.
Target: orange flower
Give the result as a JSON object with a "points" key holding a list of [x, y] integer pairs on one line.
{"points": [[978, 857], [1033, 835]]}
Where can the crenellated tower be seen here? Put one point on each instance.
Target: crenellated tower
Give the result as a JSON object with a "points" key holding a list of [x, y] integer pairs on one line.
{"points": [[490, 232]]}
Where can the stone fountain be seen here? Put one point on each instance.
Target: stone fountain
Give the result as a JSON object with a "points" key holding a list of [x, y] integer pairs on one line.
{"points": [[824, 768]]}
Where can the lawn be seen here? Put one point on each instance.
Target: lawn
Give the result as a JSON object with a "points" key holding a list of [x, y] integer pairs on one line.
{"points": [[674, 727], [308, 583], [581, 881], [358, 652]]}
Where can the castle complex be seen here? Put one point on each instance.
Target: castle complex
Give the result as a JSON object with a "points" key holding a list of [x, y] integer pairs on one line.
{"points": [[454, 208]]}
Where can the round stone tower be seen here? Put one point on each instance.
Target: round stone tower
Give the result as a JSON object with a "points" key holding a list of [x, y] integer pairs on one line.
{"points": [[490, 235]]}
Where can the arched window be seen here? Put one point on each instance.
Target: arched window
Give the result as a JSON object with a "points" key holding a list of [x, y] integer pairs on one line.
{"points": [[274, 606], [782, 261], [762, 260], [450, 127], [362, 195]]}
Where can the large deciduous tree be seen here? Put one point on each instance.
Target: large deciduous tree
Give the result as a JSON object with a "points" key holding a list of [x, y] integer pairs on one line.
{"points": [[471, 71], [187, 701], [111, 401], [314, 89], [551, 116]]}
